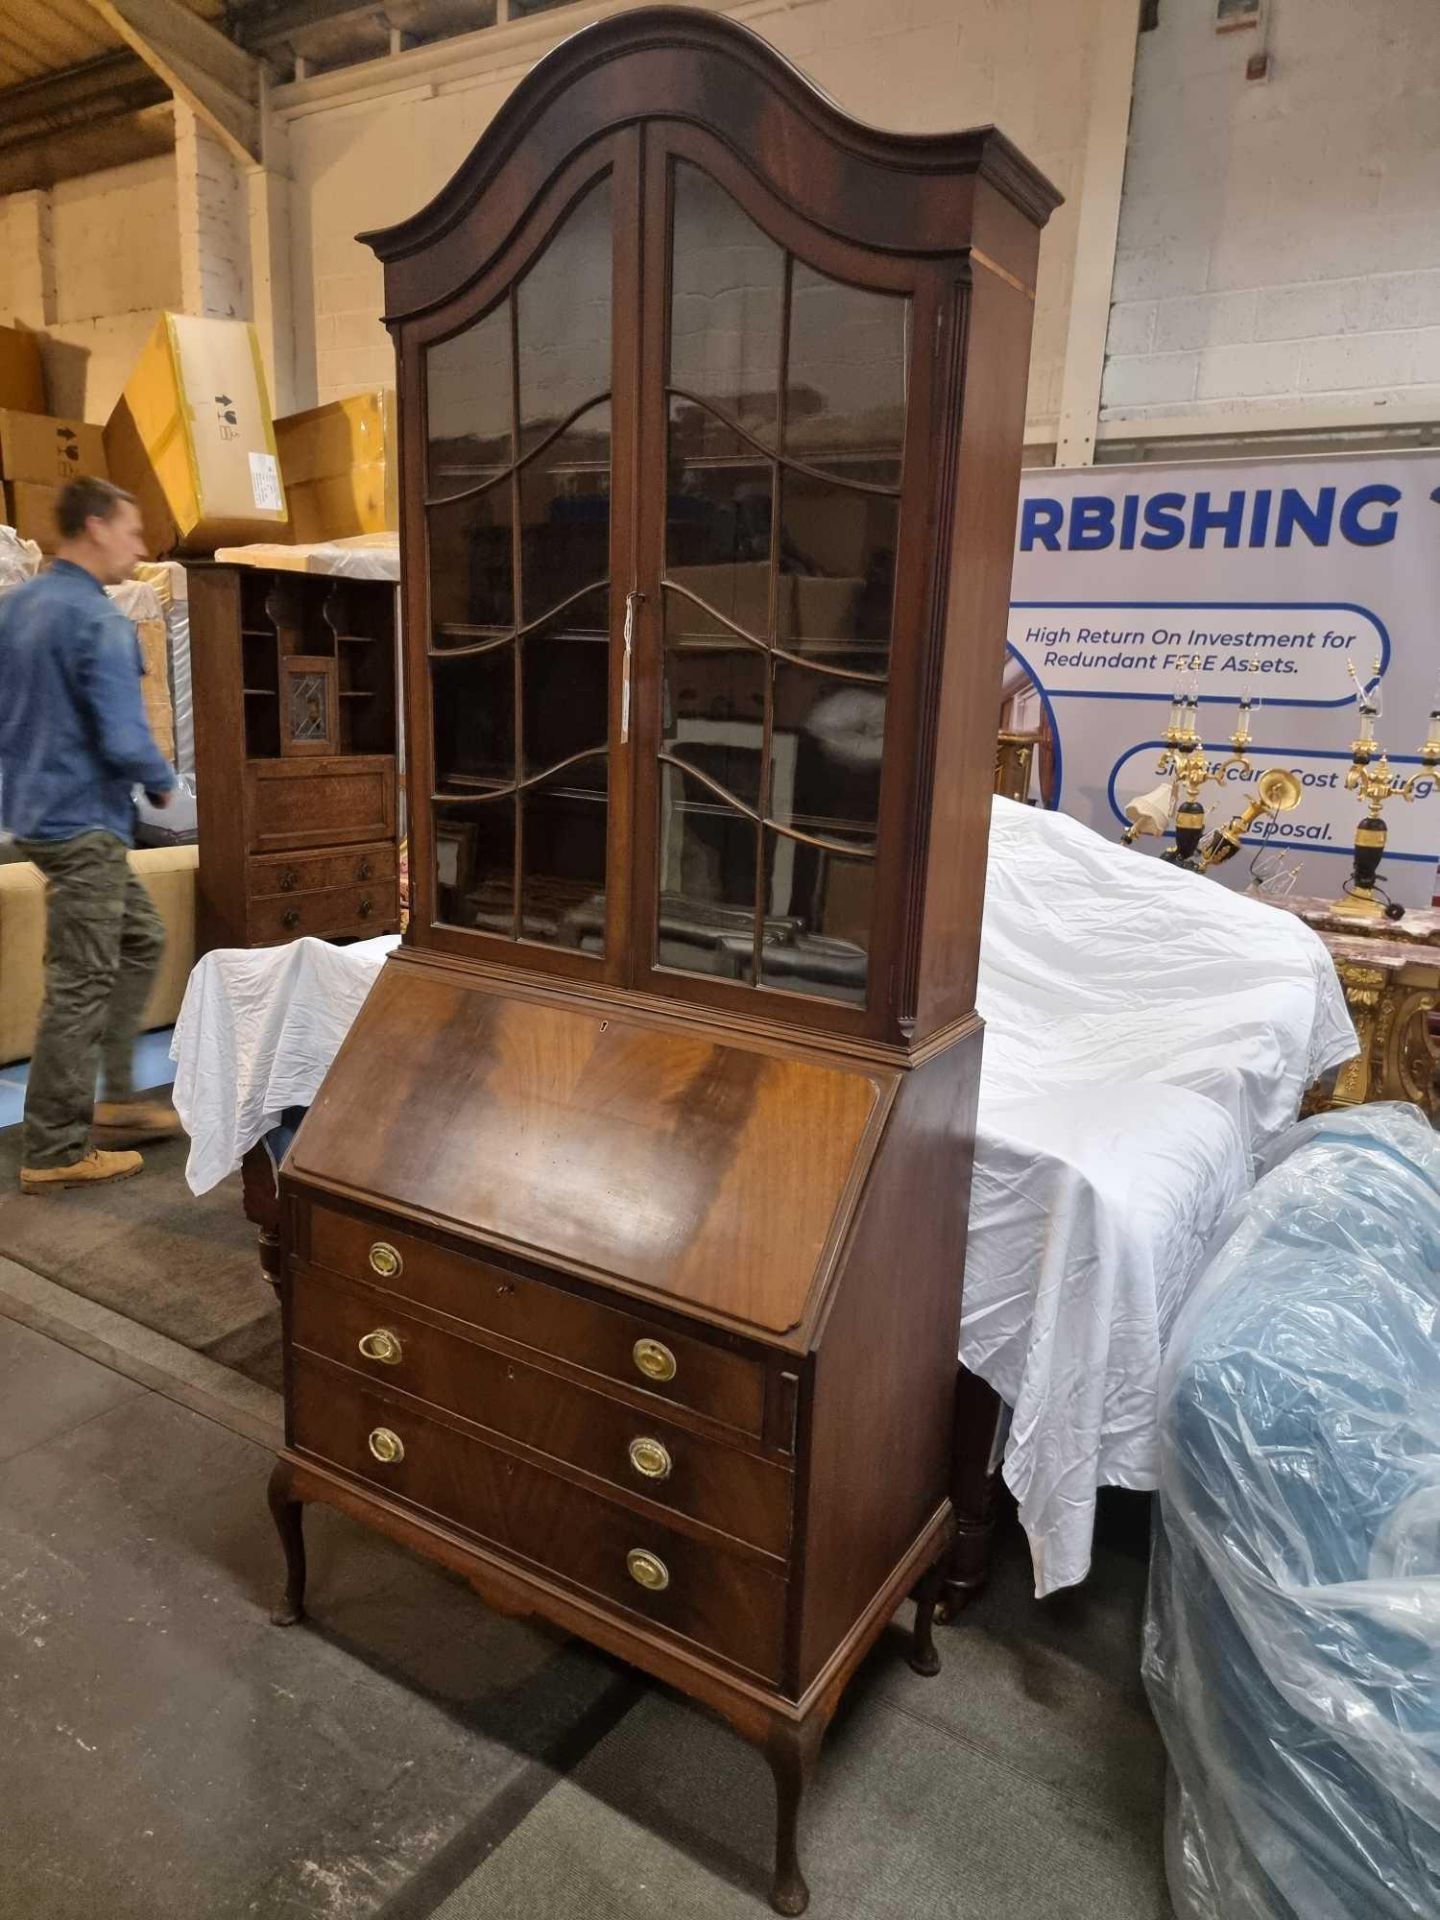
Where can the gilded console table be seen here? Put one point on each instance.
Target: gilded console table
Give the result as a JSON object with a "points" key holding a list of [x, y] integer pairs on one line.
{"points": [[1390, 971]]}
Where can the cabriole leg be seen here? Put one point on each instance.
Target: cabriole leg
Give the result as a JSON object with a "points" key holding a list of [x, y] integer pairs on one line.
{"points": [[289, 1515]]}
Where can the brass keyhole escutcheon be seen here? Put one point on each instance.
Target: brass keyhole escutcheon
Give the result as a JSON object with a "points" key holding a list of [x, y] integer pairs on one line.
{"points": [[647, 1570], [385, 1261], [654, 1360], [386, 1446], [650, 1459], [381, 1345]]}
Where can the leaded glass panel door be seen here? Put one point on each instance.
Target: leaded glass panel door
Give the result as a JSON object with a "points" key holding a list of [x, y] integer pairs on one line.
{"points": [[777, 389], [520, 420]]}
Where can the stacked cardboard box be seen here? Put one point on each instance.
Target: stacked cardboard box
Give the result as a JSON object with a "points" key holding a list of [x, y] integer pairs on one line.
{"points": [[140, 603], [192, 438], [339, 466], [22, 379], [38, 454]]}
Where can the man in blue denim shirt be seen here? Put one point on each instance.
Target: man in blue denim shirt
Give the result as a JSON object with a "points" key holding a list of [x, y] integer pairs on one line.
{"points": [[74, 744]]}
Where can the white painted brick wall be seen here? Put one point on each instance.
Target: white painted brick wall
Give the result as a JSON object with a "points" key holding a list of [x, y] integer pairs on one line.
{"points": [[213, 217], [1287, 232], [911, 65]]}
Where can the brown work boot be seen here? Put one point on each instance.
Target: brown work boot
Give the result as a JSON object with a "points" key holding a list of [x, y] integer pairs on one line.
{"points": [[126, 1123], [93, 1170]]}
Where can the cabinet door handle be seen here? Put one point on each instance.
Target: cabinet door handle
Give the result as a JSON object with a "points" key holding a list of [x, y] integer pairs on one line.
{"points": [[632, 600]]}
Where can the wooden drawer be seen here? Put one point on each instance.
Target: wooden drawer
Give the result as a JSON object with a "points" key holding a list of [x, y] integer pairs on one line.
{"points": [[710, 1379], [314, 872], [719, 1600], [735, 1492], [298, 805], [357, 910]]}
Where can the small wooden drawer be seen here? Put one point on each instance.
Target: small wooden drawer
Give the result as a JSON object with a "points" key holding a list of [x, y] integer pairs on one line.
{"points": [[315, 872], [357, 910], [735, 1492], [722, 1601], [712, 1380]]}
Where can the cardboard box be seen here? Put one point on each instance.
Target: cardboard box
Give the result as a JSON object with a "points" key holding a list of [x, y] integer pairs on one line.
{"points": [[192, 437], [47, 452], [30, 510], [139, 601], [339, 463], [22, 377]]}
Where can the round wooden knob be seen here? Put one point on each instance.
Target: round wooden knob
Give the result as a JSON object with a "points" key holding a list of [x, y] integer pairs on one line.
{"points": [[647, 1570], [388, 1447], [654, 1360]]}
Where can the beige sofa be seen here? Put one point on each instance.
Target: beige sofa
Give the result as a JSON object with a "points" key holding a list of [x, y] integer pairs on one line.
{"points": [[169, 875]]}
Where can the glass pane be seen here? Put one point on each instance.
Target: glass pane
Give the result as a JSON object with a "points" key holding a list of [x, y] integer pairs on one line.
{"points": [[563, 851], [567, 691], [471, 563], [565, 515], [845, 387], [817, 932], [714, 713], [563, 319], [718, 521], [726, 299], [475, 866], [474, 720], [825, 753], [469, 394], [308, 707], [837, 549], [707, 880]]}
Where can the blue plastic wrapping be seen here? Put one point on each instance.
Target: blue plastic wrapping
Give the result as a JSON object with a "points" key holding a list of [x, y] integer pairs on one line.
{"points": [[1292, 1643]]}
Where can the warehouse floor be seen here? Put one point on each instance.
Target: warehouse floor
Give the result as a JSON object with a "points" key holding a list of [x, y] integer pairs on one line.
{"points": [[170, 1755]]}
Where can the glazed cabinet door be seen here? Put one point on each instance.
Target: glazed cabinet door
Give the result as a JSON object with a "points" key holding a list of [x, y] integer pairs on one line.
{"points": [[519, 413], [776, 390]]}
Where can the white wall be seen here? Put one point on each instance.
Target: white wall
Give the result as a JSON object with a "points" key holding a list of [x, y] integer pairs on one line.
{"points": [[1280, 240], [115, 263], [914, 65]]}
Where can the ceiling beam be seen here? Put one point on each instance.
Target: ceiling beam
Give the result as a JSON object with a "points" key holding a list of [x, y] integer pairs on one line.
{"points": [[100, 114], [219, 80]]}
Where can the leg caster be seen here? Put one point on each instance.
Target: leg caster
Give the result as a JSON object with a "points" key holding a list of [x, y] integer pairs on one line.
{"points": [[924, 1658], [791, 1753], [288, 1514]]}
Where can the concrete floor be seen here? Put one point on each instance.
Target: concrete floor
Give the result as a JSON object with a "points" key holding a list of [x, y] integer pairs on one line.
{"points": [[169, 1755]]}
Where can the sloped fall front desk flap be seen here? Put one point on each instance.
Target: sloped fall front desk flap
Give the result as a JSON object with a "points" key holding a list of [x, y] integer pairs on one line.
{"points": [[719, 1175]]}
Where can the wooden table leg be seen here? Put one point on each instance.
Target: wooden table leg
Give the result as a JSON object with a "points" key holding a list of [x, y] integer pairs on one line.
{"points": [[974, 1490], [262, 1207]]}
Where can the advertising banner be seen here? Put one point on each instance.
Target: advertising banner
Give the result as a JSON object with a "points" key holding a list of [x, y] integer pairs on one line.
{"points": [[1258, 578]]}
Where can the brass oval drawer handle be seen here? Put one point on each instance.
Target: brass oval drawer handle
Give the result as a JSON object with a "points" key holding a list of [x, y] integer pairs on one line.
{"points": [[386, 1446], [385, 1261], [655, 1361], [647, 1570], [381, 1345], [650, 1459]]}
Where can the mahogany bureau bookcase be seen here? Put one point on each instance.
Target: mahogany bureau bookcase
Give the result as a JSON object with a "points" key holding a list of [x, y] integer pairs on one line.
{"points": [[622, 1246]]}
